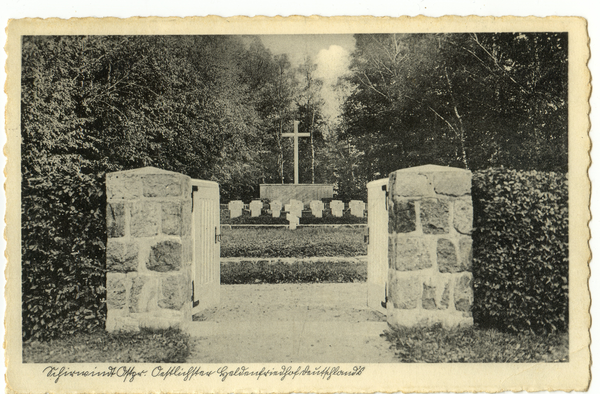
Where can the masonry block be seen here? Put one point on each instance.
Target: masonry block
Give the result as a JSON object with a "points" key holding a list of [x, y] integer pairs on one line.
{"points": [[411, 254], [171, 218], [116, 290], [175, 291], [405, 291], [435, 216], [187, 245], [403, 218], [117, 321], [121, 256], [115, 219], [120, 186], [436, 293], [463, 293], [452, 183], [165, 256], [163, 185], [412, 185], [465, 253], [463, 215], [186, 217], [143, 294], [145, 218], [446, 256]]}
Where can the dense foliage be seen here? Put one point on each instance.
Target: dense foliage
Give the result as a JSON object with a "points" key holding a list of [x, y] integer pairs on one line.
{"points": [[204, 106], [521, 250], [146, 346], [465, 100], [255, 272], [470, 345]]}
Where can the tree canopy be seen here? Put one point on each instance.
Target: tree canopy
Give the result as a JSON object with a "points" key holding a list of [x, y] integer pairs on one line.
{"points": [[467, 100]]}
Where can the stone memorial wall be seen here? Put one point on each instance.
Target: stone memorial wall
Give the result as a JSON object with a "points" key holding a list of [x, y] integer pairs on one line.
{"points": [[149, 249], [430, 259]]}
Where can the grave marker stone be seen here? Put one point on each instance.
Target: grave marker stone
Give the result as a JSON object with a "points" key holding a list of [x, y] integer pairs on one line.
{"points": [[235, 208], [293, 219], [296, 207], [276, 208], [317, 208], [337, 208], [255, 208], [357, 208]]}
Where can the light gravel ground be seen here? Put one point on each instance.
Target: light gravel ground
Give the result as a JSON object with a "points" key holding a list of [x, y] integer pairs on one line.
{"points": [[291, 323]]}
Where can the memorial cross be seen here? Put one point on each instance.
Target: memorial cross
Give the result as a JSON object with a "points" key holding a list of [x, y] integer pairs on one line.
{"points": [[295, 134]]}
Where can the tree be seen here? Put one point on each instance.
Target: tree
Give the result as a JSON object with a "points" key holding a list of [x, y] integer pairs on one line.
{"points": [[309, 107], [94, 104], [469, 100]]}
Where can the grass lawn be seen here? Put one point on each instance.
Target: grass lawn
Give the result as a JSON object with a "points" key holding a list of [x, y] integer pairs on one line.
{"points": [[473, 345], [302, 242], [147, 346]]}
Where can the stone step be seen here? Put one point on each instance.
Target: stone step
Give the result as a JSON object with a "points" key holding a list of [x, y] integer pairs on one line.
{"points": [[322, 329]]}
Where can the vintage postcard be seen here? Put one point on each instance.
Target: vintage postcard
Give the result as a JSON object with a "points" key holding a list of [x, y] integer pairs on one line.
{"points": [[301, 204]]}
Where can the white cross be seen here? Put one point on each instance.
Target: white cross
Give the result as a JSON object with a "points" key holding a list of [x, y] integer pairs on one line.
{"points": [[295, 134]]}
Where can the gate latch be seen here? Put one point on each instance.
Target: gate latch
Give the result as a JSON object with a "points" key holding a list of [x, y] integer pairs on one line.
{"points": [[367, 237], [217, 236]]}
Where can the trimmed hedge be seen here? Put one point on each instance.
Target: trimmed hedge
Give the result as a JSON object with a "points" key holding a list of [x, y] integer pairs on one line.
{"points": [[254, 272], [63, 261], [520, 261]]}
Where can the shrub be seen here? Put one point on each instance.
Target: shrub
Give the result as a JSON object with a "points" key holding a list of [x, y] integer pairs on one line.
{"points": [[520, 261]]}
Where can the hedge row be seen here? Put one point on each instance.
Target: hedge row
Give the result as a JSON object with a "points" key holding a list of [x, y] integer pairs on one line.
{"points": [[63, 260], [521, 245], [254, 272]]}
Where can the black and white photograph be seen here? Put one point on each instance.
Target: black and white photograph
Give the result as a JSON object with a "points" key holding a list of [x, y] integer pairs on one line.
{"points": [[210, 205]]}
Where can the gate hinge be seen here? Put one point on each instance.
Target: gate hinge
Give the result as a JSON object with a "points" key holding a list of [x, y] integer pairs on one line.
{"points": [[217, 235], [384, 303], [194, 303], [194, 189], [367, 238], [384, 188]]}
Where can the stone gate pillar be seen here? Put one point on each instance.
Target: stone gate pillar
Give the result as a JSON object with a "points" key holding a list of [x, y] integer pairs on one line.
{"points": [[149, 249], [430, 222]]}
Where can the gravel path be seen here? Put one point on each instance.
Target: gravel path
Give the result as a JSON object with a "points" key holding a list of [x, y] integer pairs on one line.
{"points": [[291, 323]]}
